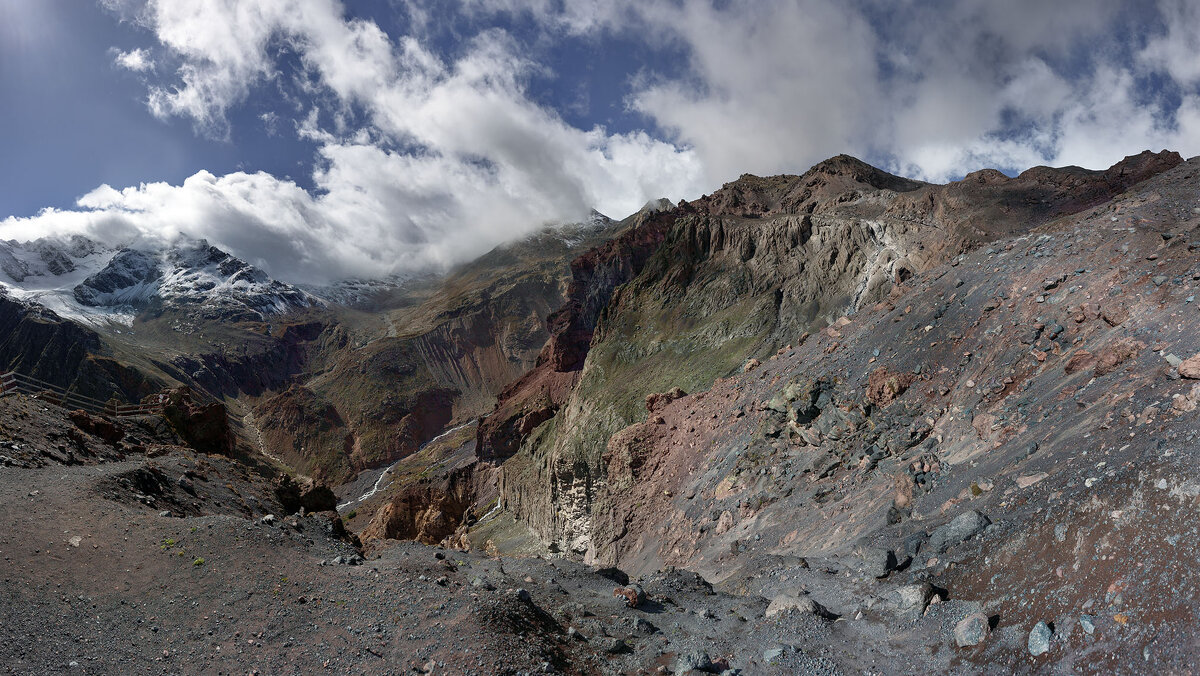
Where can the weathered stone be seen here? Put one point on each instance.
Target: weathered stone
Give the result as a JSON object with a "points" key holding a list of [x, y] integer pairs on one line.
{"points": [[1028, 480], [697, 660], [1039, 639], [633, 595], [1079, 361], [911, 599], [875, 561], [1190, 368], [1112, 356], [883, 386], [1087, 624]]}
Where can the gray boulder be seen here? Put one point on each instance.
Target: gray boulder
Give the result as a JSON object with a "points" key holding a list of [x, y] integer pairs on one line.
{"points": [[962, 527]]}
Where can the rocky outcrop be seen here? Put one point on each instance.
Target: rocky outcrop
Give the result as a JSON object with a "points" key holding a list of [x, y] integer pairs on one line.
{"points": [[97, 426], [265, 358], [941, 421], [128, 279], [203, 425], [429, 511], [308, 496], [306, 431]]}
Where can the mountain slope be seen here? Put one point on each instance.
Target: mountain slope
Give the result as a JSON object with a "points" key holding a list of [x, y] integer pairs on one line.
{"points": [[750, 269]]}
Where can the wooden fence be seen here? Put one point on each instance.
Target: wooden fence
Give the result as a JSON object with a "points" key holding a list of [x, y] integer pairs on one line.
{"points": [[13, 382]]}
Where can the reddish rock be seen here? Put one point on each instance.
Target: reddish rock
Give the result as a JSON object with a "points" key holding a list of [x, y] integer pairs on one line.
{"points": [[659, 400], [1112, 356], [1027, 480], [883, 386], [634, 595], [430, 511], [1190, 368], [1114, 314], [1079, 361], [97, 427]]}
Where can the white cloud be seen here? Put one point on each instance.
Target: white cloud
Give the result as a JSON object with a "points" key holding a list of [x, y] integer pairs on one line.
{"points": [[490, 164], [940, 88], [429, 160], [1178, 50], [137, 60], [770, 96]]}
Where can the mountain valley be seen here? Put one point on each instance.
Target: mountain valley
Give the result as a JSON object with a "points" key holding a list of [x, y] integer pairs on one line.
{"points": [[839, 422]]}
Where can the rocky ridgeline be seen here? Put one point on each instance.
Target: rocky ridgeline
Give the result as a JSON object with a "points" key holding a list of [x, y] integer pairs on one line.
{"points": [[1007, 437]]}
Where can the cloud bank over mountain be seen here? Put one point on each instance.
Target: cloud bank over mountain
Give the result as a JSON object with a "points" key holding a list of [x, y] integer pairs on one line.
{"points": [[435, 144]]}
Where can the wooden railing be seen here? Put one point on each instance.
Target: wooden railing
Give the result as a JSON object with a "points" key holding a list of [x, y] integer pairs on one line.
{"points": [[14, 382]]}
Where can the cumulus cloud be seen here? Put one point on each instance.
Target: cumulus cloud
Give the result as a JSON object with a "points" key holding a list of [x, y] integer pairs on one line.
{"points": [[426, 159], [454, 158], [930, 88], [137, 60]]}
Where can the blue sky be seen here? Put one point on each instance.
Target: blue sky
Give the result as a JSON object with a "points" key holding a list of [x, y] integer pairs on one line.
{"points": [[323, 139]]}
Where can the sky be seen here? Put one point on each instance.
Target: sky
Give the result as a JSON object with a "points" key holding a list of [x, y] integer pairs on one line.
{"points": [[323, 140]]}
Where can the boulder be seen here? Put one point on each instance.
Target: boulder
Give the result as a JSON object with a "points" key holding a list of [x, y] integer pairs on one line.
{"points": [[1111, 356], [1039, 638], [1190, 368], [696, 660], [633, 595], [786, 603], [911, 599], [971, 630], [875, 561]]}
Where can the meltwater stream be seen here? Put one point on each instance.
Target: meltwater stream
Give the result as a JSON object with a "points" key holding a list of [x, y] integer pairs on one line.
{"points": [[388, 471]]}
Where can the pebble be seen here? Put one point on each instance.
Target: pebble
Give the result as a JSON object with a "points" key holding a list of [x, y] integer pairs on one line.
{"points": [[1087, 623]]}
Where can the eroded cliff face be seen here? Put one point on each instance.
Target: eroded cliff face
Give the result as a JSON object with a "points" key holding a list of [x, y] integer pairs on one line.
{"points": [[428, 511], [596, 275], [739, 275]]}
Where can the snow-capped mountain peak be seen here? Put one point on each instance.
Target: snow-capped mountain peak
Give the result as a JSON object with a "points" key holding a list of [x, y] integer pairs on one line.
{"points": [[82, 279]]}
